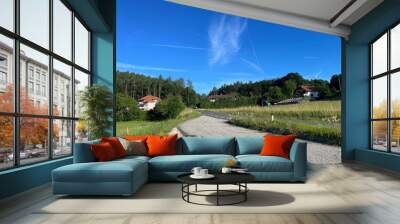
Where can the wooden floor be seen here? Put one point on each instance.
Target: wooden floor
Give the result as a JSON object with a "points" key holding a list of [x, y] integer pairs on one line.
{"points": [[378, 189]]}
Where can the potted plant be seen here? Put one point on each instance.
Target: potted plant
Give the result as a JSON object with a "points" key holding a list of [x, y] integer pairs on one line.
{"points": [[97, 102]]}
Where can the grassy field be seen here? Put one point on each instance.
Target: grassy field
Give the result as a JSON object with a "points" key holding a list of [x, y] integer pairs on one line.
{"points": [[142, 127], [317, 121]]}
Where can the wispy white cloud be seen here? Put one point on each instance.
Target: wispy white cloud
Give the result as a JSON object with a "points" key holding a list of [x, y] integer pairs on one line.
{"points": [[255, 55], [224, 37], [126, 66], [316, 75], [237, 74], [253, 65], [179, 47]]}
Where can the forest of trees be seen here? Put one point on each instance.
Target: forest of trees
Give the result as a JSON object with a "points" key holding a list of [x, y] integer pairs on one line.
{"points": [[281, 88], [243, 93], [137, 86]]}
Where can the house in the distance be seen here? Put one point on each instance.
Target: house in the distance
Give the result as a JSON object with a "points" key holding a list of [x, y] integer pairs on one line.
{"points": [[307, 91], [148, 102]]}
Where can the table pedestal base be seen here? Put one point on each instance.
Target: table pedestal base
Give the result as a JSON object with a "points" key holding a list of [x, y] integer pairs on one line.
{"points": [[219, 193]]}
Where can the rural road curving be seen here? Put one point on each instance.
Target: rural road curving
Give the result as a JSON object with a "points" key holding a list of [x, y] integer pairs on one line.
{"points": [[217, 125]]}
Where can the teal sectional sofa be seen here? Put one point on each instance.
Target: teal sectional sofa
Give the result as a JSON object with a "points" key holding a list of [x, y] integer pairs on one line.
{"points": [[125, 176]]}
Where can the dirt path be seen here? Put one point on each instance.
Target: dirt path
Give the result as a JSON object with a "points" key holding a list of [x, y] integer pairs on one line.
{"points": [[211, 126]]}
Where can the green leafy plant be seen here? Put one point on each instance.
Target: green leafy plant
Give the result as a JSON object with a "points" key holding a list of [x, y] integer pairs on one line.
{"points": [[127, 108], [97, 103], [169, 108]]}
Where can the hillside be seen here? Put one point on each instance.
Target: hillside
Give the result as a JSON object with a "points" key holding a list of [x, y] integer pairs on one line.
{"points": [[229, 95], [136, 86], [281, 88]]}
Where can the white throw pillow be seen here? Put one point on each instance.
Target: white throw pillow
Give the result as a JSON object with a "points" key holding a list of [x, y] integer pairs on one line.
{"points": [[137, 148]]}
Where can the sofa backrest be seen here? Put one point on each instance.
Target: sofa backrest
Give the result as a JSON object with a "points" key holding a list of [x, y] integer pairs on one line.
{"points": [[193, 146], [249, 145], [206, 145]]}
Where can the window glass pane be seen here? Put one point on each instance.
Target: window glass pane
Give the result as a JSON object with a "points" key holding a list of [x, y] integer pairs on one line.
{"points": [[6, 142], [33, 139], [6, 74], [379, 135], [379, 97], [81, 82], [395, 47], [35, 21], [379, 56], [7, 14], [34, 97], [62, 138], [395, 94], [81, 45], [62, 89], [62, 29], [81, 131], [395, 136]]}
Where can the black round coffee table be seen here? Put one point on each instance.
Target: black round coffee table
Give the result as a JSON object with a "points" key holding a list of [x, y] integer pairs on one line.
{"points": [[238, 179]]}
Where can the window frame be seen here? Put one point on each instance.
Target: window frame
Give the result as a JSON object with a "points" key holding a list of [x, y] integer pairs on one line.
{"points": [[3, 74], [3, 70], [4, 59], [16, 114], [388, 74]]}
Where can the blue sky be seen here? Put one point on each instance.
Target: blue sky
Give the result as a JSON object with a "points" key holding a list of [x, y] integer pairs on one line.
{"points": [[156, 37]]}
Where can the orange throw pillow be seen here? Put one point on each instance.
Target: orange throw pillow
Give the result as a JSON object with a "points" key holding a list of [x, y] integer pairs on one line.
{"points": [[277, 145], [161, 145], [116, 145], [136, 137], [103, 152]]}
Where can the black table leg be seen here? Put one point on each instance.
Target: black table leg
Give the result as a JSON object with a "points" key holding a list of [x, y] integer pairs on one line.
{"points": [[195, 188], [188, 190], [182, 189], [245, 193], [217, 194]]}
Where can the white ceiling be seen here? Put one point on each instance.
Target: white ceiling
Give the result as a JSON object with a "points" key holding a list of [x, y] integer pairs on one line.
{"points": [[325, 16], [321, 9]]}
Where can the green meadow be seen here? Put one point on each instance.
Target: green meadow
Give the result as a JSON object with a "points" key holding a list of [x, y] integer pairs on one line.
{"points": [[161, 127], [316, 120]]}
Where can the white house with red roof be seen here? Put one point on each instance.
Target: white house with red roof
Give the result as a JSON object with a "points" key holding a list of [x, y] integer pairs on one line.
{"points": [[148, 102], [307, 91]]}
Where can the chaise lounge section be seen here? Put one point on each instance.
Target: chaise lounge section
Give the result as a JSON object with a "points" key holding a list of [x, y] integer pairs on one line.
{"points": [[125, 176], [88, 177]]}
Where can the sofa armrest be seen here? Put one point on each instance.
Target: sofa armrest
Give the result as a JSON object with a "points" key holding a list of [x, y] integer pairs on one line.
{"points": [[83, 152], [298, 155]]}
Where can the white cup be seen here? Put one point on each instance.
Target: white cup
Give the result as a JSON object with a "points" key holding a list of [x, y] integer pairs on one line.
{"points": [[226, 170], [203, 172], [196, 171]]}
